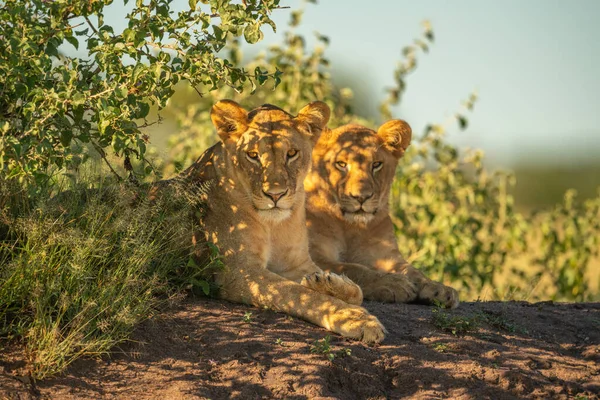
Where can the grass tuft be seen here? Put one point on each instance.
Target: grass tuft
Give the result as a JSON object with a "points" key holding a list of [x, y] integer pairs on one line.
{"points": [[81, 269]]}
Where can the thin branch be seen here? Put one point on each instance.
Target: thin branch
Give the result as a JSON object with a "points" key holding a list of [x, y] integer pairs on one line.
{"points": [[101, 93], [215, 15], [91, 26], [103, 155], [147, 124], [75, 26]]}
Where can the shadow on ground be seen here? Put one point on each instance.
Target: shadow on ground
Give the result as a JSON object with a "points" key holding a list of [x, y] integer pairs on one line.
{"points": [[207, 349]]}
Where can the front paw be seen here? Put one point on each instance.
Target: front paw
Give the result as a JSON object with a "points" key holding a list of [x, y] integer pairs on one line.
{"points": [[331, 284], [390, 288], [357, 323], [437, 293]]}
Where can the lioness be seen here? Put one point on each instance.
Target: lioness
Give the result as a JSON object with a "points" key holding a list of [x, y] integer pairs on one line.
{"points": [[350, 230], [256, 217]]}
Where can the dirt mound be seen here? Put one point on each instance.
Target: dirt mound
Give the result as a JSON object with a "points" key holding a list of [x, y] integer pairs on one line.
{"points": [[213, 349]]}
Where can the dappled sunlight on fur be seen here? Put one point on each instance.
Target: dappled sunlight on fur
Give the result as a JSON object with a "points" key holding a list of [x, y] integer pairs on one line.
{"points": [[348, 217], [255, 215], [339, 286]]}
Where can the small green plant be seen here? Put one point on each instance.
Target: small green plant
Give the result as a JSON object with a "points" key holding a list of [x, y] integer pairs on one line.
{"points": [[440, 347], [324, 347], [500, 321], [455, 324], [247, 318], [458, 324], [279, 342]]}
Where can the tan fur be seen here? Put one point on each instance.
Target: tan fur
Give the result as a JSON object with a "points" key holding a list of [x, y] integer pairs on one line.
{"points": [[256, 217], [350, 230]]}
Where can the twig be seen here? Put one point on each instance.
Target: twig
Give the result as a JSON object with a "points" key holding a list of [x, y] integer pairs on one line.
{"points": [[103, 155], [147, 124], [216, 15], [91, 26]]}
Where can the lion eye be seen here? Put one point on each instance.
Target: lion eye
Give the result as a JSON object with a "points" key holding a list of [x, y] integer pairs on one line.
{"points": [[377, 165], [340, 165], [253, 155], [292, 153]]}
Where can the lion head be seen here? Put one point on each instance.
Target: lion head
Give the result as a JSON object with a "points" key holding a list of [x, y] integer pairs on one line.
{"points": [[353, 168], [270, 151]]}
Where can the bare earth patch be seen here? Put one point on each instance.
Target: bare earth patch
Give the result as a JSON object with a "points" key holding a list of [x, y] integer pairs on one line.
{"points": [[208, 349]]}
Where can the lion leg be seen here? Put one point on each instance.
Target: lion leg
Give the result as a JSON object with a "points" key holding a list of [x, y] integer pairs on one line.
{"points": [[390, 288], [429, 291], [309, 275], [375, 285], [263, 288], [433, 292], [331, 284]]}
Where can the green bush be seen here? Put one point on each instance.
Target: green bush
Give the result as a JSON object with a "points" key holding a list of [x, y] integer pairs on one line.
{"points": [[53, 104], [80, 270], [82, 259]]}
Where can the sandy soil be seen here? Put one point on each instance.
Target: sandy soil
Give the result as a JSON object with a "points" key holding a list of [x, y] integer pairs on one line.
{"points": [[207, 349]]}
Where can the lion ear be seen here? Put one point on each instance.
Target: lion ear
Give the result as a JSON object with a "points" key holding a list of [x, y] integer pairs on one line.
{"points": [[396, 135], [230, 119], [315, 115]]}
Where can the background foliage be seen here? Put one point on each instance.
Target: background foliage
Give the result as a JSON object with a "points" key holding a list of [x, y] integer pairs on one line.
{"points": [[52, 104], [79, 272], [454, 219]]}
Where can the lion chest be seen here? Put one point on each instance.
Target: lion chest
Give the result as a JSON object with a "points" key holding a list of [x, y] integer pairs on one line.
{"points": [[289, 248]]}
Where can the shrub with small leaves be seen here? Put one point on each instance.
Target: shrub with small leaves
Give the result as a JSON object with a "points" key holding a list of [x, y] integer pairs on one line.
{"points": [[52, 104]]}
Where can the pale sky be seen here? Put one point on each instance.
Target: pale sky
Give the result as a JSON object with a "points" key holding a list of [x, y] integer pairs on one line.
{"points": [[534, 63]]}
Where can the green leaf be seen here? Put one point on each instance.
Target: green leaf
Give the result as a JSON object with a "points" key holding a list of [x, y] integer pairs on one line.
{"points": [[51, 49], [78, 114], [78, 99], [102, 125], [218, 32], [193, 4], [73, 40], [121, 92], [205, 287], [137, 71], [277, 77], [65, 137], [143, 111], [296, 17], [252, 33]]}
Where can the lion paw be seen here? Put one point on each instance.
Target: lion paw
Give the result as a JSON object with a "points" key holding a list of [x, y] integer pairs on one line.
{"points": [[391, 288], [331, 284], [357, 323], [437, 293]]}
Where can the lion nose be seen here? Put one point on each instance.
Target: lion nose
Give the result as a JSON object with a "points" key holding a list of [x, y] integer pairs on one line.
{"points": [[275, 194], [361, 198]]}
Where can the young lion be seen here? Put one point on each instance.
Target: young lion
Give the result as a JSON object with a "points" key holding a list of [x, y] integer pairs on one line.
{"points": [[256, 217], [350, 230]]}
